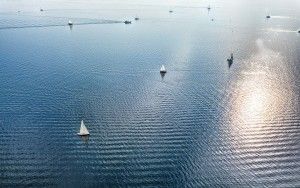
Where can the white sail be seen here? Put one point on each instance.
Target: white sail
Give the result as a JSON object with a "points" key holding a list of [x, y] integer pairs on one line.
{"points": [[70, 22], [83, 130], [163, 69]]}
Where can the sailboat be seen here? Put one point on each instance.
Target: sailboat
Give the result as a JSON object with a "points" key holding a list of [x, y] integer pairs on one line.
{"points": [[163, 69], [231, 58], [268, 14], [83, 130], [70, 23], [208, 8]]}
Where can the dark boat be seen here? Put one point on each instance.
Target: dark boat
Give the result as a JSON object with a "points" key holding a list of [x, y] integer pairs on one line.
{"points": [[230, 61], [127, 22], [136, 18], [170, 11], [299, 31], [268, 16], [231, 57], [41, 10]]}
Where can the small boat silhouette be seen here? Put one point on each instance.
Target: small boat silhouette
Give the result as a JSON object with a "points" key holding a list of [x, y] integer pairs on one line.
{"points": [[163, 69], [230, 61]]}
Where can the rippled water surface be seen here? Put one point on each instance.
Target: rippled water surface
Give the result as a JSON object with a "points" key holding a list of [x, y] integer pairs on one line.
{"points": [[202, 124]]}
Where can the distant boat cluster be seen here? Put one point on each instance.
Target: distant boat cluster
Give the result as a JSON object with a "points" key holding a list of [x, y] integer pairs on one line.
{"points": [[70, 23], [163, 70]]}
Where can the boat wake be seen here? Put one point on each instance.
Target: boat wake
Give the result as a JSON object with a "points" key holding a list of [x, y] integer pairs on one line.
{"points": [[281, 30], [282, 17], [12, 22]]}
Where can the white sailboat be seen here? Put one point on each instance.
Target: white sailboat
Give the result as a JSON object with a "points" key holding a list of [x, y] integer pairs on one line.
{"points": [[70, 22], [163, 69], [83, 130]]}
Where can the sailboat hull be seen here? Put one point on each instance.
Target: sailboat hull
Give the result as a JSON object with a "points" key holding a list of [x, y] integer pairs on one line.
{"points": [[81, 134]]}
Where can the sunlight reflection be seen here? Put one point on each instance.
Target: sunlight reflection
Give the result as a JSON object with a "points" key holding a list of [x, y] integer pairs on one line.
{"points": [[258, 97], [258, 102], [254, 100]]}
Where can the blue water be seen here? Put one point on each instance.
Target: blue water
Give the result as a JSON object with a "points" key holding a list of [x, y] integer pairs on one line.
{"points": [[203, 124]]}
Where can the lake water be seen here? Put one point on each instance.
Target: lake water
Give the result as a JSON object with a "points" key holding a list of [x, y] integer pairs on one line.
{"points": [[202, 124]]}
